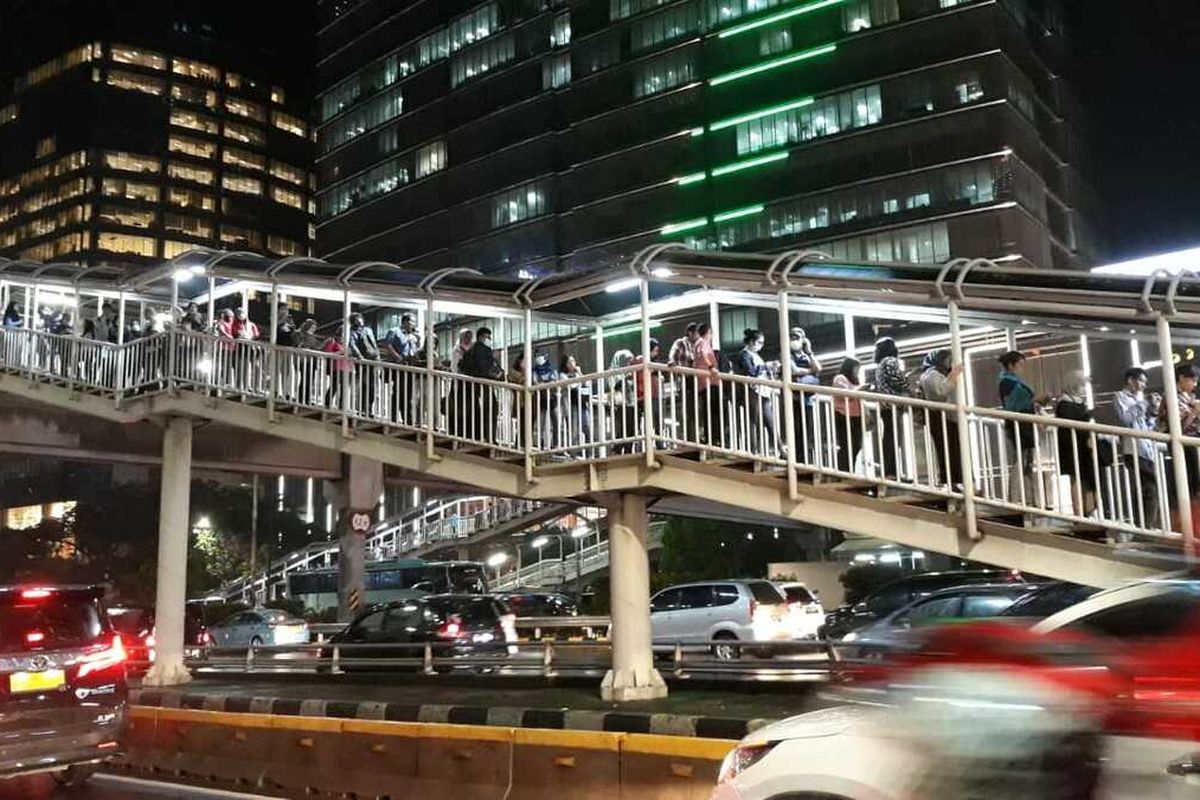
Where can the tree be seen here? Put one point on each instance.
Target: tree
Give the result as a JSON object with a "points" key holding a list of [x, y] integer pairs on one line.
{"points": [[700, 549]]}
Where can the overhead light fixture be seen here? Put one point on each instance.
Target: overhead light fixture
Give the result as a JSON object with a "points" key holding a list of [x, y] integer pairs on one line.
{"points": [[539, 543], [622, 285], [497, 559]]}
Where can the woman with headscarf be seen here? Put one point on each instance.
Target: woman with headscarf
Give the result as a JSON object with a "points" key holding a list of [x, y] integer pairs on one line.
{"points": [[938, 380], [890, 379], [1077, 448], [622, 401]]}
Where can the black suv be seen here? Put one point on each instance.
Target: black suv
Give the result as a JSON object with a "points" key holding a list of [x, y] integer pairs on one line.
{"points": [[889, 597], [62, 682]]}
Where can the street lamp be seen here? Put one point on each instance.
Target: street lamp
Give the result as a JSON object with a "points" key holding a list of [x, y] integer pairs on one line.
{"points": [[496, 561], [578, 534], [541, 542]]}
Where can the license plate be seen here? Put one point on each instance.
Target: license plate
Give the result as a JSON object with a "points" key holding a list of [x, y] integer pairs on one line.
{"points": [[36, 681]]}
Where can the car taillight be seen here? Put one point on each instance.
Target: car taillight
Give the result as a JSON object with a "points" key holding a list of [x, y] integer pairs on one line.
{"points": [[35, 594], [150, 640], [205, 637], [112, 656], [451, 629]]}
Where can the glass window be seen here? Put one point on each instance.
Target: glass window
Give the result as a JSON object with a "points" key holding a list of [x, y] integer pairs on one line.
{"points": [[775, 40], [136, 82], [194, 120], [862, 14], [124, 54], [287, 122], [193, 94], [672, 24], [968, 90], [190, 198], [387, 177], [191, 147], [668, 600], [620, 9], [172, 248], [130, 190], [556, 71], [799, 594], [1048, 600], [482, 59], [472, 27], [560, 30], [662, 73], [725, 594], [241, 183], [243, 158], [56, 66], [932, 609], [131, 162], [1160, 615], [371, 623], [289, 173], [357, 122], [187, 172], [985, 605], [765, 593], [524, 202], [431, 158], [129, 217], [57, 248], [596, 53], [192, 226], [277, 95], [196, 69], [9, 113], [281, 246], [247, 134], [824, 117], [241, 237], [233, 80], [696, 597], [287, 197], [127, 245]]}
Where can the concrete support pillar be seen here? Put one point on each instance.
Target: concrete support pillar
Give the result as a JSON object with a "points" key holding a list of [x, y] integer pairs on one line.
{"points": [[174, 524], [633, 676], [358, 498]]}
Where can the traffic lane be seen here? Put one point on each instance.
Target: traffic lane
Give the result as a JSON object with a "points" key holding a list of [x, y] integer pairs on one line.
{"points": [[109, 787]]}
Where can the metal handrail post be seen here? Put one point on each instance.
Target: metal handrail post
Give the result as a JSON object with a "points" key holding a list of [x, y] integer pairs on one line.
{"points": [[272, 355], [430, 381], [1175, 428], [647, 398], [789, 411], [527, 410], [347, 366], [967, 463]]}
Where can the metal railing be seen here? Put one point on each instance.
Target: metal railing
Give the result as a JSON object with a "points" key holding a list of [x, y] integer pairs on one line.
{"points": [[1050, 470]]}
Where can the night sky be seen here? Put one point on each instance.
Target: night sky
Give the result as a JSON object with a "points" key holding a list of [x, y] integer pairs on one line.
{"points": [[1140, 79]]}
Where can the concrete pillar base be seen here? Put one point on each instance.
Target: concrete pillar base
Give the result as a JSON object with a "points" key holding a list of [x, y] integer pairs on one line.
{"points": [[163, 673], [630, 686]]}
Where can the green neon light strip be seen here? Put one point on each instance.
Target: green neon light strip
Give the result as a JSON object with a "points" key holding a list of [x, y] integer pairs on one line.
{"points": [[782, 15], [678, 227], [695, 177], [749, 164], [773, 64], [766, 112], [749, 211]]}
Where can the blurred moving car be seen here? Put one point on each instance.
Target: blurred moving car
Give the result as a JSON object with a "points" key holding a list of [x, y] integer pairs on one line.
{"points": [[956, 605], [258, 627], [1095, 701], [538, 604], [62, 682], [1044, 600], [724, 612], [136, 626], [889, 597], [463, 624], [806, 615]]}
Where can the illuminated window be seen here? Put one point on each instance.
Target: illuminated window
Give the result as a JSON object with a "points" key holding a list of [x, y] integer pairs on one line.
{"points": [[662, 73], [241, 237], [431, 158], [524, 202], [775, 40], [129, 217], [48, 197], [233, 80], [244, 108], [482, 59], [187, 172], [353, 124], [54, 67], [44, 225], [560, 30], [196, 69], [190, 226], [620, 9], [862, 14], [240, 183], [131, 162], [288, 123], [556, 71], [277, 95], [130, 190], [194, 120], [672, 24], [9, 113], [244, 133], [171, 249], [127, 245], [289, 173], [190, 198], [287, 197], [57, 248], [191, 147], [194, 94], [130, 55], [825, 116], [47, 147], [283, 247], [135, 82], [969, 90], [472, 27], [244, 158]]}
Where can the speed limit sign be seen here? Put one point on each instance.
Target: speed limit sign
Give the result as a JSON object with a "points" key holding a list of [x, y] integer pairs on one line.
{"points": [[360, 522]]}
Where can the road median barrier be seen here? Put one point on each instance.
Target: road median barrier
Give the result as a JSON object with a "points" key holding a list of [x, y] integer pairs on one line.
{"points": [[296, 756]]}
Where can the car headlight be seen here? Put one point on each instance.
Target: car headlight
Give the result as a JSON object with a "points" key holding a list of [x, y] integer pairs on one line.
{"points": [[742, 758], [852, 636]]}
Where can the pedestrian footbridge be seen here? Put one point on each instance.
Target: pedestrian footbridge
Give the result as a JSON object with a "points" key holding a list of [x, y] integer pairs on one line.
{"points": [[1051, 495]]}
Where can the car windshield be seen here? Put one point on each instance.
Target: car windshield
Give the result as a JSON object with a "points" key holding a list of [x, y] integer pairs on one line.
{"points": [[53, 619], [798, 594], [471, 610], [1049, 600], [765, 593], [130, 621]]}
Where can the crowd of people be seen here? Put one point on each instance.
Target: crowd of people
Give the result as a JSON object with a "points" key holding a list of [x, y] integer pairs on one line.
{"points": [[697, 396]]}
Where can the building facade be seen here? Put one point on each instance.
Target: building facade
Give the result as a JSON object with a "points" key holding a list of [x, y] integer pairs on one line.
{"points": [[127, 144], [532, 136]]}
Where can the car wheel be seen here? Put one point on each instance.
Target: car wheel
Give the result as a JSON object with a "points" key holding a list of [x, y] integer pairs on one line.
{"points": [[725, 649], [77, 775]]}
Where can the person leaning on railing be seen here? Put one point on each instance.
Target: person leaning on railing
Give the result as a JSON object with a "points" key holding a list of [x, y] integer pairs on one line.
{"points": [[708, 410], [1077, 457], [848, 415], [1140, 411], [937, 384], [1017, 396], [759, 399]]}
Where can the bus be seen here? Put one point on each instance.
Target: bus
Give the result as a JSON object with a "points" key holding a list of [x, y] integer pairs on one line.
{"points": [[390, 580]]}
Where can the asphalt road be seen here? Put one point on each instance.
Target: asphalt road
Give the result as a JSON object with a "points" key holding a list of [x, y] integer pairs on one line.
{"points": [[109, 787]]}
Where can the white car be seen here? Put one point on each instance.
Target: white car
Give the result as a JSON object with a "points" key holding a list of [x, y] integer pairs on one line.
{"points": [[726, 612], [966, 731], [258, 627], [806, 615]]}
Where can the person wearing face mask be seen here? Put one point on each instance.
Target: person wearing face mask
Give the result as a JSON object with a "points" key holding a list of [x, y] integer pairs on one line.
{"points": [[806, 371], [757, 400], [547, 406]]}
